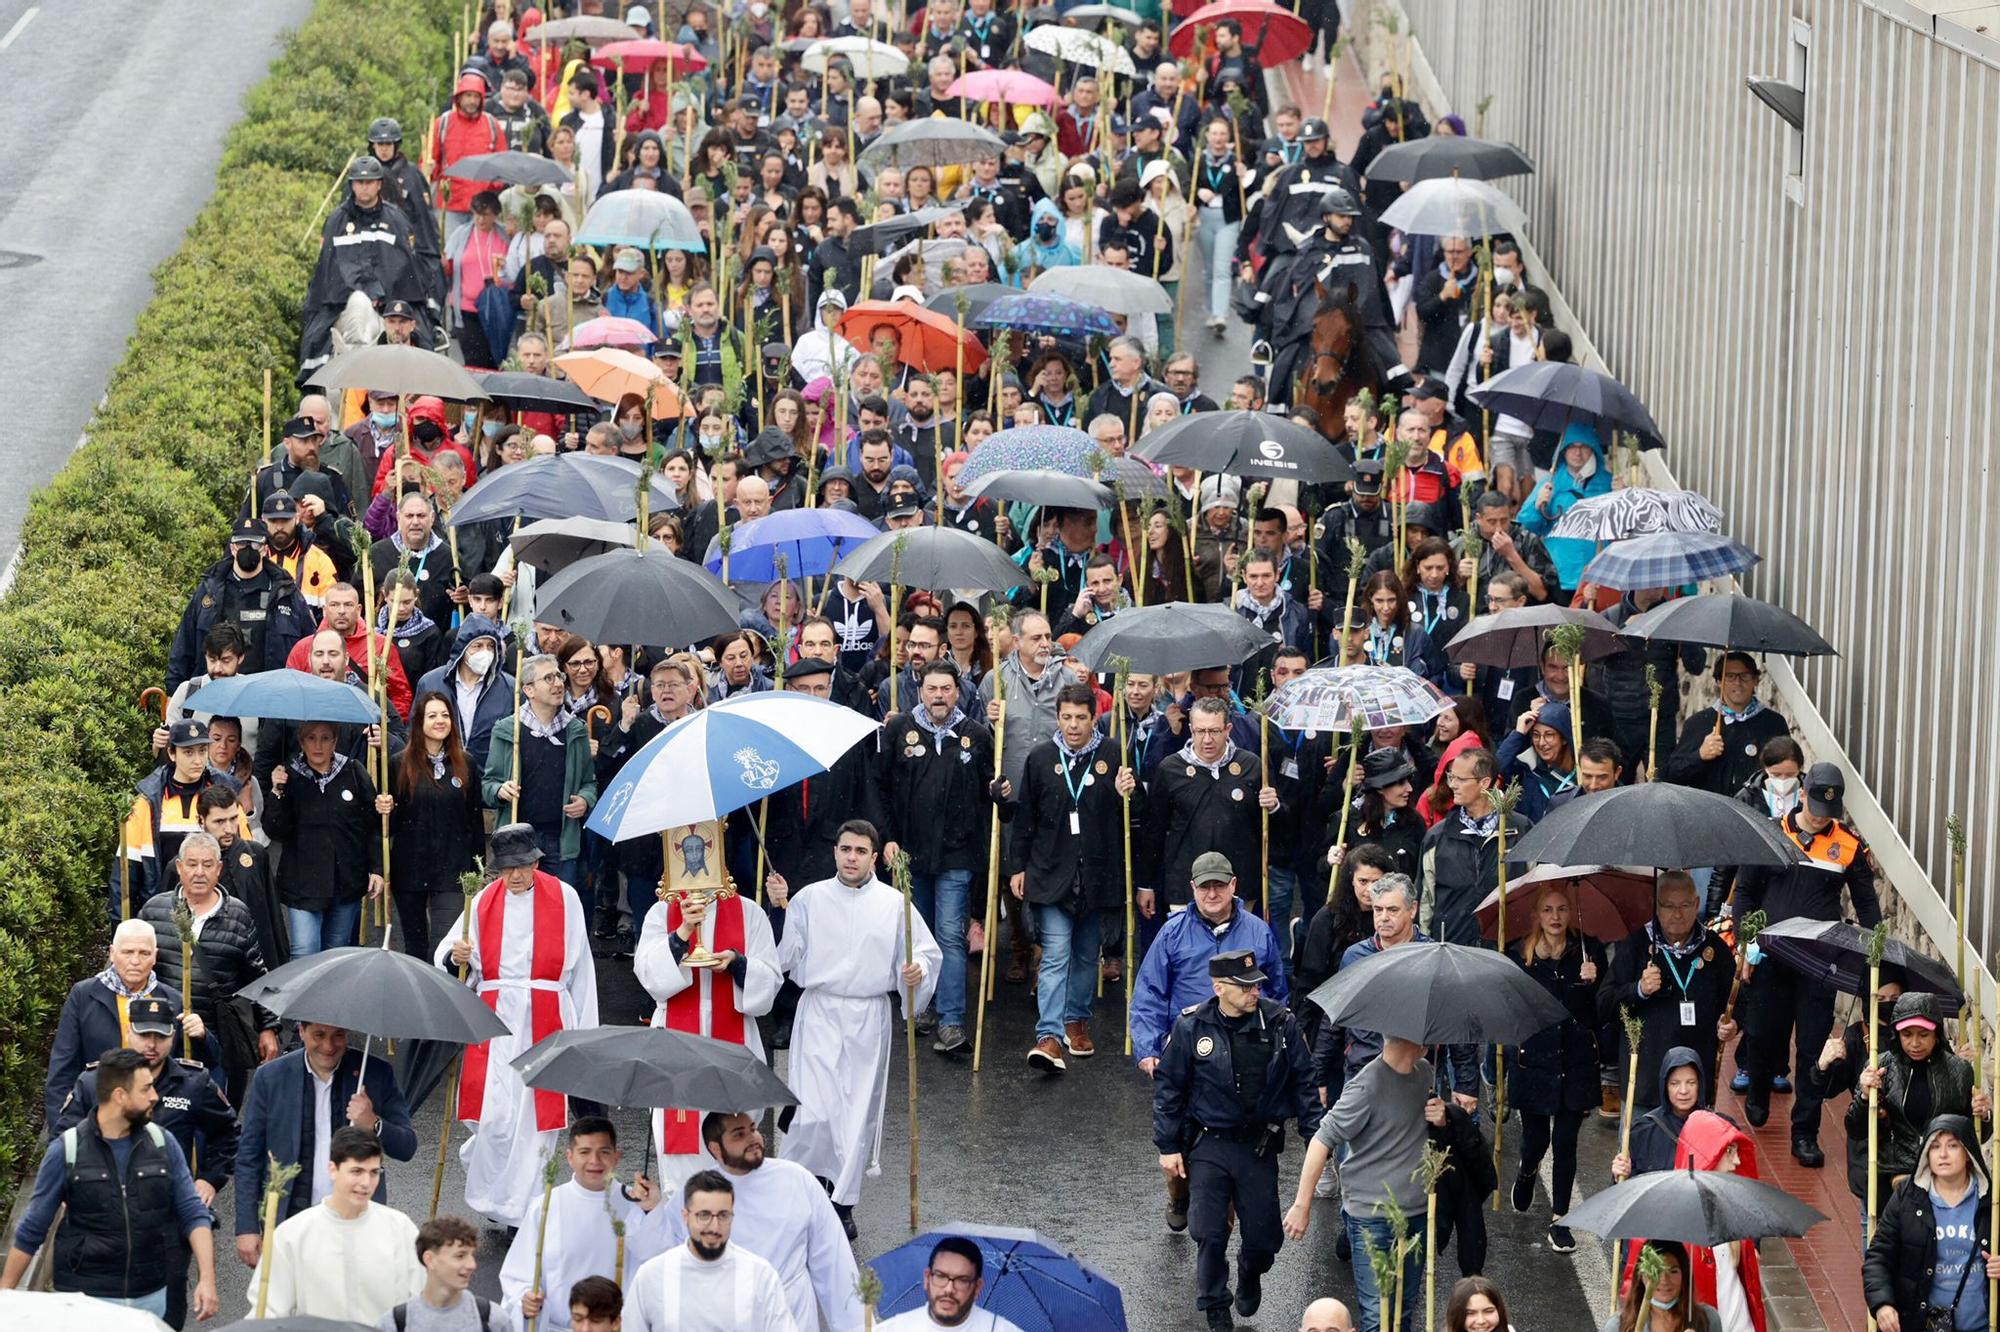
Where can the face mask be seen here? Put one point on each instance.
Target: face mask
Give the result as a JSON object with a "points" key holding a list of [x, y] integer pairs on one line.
{"points": [[629, 429], [1658, 1303], [1783, 786], [759, 9], [248, 558], [382, 420], [491, 429], [479, 659]]}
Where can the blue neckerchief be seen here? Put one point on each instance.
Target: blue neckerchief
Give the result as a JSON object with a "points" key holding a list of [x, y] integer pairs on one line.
{"points": [[1729, 717]]}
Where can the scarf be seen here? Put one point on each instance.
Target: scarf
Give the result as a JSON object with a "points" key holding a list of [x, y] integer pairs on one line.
{"points": [[938, 732], [110, 980], [416, 624], [1263, 615], [305, 769], [1187, 755], [1730, 718], [1072, 755], [1680, 952], [1488, 826], [551, 731], [438, 766], [396, 539]]}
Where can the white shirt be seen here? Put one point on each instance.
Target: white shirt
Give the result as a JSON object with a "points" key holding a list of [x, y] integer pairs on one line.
{"points": [[326, 1265], [919, 1320], [678, 1292], [322, 1180], [590, 147]]}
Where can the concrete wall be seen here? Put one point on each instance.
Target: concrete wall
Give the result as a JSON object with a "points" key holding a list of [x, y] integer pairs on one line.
{"points": [[1809, 318]]}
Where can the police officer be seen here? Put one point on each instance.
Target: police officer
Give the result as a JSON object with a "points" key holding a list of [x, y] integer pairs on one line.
{"points": [[191, 1108], [1780, 1000], [1234, 1070], [1335, 258]]}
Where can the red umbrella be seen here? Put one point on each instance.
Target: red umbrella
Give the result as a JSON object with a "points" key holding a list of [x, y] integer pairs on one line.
{"points": [[643, 54], [1275, 33], [1003, 85], [926, 340], [1609, 902]]}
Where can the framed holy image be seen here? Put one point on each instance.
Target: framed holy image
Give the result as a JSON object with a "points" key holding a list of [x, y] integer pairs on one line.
{"points": [[694, 859]]}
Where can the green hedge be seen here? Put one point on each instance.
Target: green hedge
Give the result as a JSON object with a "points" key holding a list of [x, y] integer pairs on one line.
{"points": [[112, 548]]}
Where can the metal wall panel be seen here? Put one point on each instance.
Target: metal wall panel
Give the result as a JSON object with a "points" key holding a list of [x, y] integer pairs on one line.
{"points": [[1825, 368]]}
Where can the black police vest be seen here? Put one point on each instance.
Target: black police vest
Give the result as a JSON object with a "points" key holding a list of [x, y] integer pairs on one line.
{"points": [[112, 1241]]}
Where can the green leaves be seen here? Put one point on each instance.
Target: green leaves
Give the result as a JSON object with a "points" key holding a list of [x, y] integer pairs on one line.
{"points": [[1878, 943], [1567, 640]]}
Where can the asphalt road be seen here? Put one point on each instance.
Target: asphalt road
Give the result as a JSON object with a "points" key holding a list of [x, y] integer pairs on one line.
{"points": [[115, 113]]}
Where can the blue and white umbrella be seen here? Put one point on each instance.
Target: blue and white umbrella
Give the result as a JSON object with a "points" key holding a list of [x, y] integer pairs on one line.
{"points": [[285, 695], [811, 541], [727, 756], [1668, 559]]}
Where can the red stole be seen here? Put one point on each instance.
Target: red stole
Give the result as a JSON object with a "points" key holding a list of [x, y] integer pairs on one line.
{"points": [[680, 1131], [545, 1002]]}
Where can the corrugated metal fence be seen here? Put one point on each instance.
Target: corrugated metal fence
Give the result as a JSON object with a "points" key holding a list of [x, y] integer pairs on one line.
{"points": [[1811, 323]]}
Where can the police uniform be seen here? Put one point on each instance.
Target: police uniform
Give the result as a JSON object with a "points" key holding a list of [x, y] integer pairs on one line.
{"points": [[1223, 1089], [192, 1108]]}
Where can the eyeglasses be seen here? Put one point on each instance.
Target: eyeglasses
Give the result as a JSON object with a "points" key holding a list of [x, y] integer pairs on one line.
{"points": [[711, 1218], [955, 1282]]}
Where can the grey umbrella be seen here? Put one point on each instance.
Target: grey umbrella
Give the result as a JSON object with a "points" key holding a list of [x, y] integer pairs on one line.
{"points": [[408, 371], [977, 297], [1729, 620], [1115, 290], [630, 596], [1657, 824], [1171, 637], [655, 1068], [1511, 638], [379, 992], [1706, 1207], [1132, 479], [563, 485], [1440, 156], [1039, 485], [553, 544], [513, 168], [1440, 994], [932, 558], [588, 28], [938, 141]]}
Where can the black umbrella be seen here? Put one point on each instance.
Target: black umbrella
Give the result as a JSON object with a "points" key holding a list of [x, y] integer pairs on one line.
{"points": [[1705, 1207], [977, 297], [1038, 485], [1440, 994], [1246, 444], [564, 485], [1657, 824], [553, 544], [1729, 620], [631, 596], [655, 1068], [1131, 479], [1175, 636], [514, 169], [519, 392], [1511, 638], [1550, 394], [377, 992], [1836, 952], [1444, 155], [933, 558], [878, 236]]}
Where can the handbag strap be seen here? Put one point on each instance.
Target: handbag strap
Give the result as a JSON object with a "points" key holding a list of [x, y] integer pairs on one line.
{"points": [[1964, 1272]]}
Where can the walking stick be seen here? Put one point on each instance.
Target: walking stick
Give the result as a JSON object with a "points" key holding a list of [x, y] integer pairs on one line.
{"points": [[520, 660], [1504, 802], [900, 868], [265, 456], [1123, 666], [1436, 1160], [986, 953], [469, 884], [1357, 560], [1653, 690], [1634, 1030], [549, 1168], [277, 1183], [1877, 942], [895, 612]]}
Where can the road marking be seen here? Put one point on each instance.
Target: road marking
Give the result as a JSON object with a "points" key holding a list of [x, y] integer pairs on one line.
{"points": [[19, 24]]}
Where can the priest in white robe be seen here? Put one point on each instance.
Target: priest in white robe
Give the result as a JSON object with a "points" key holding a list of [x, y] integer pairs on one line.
{"points": [[707, 1284], [783, 1216], [529, 952], [843, 946], [723, 1002], [582, 1241]]}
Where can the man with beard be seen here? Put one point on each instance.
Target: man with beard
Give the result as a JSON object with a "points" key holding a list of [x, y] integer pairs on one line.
{"points": [[587, 1214], [416, 545], [131, 1201], [368, 246], [343, 616], [303, 438], [295, 550], [783, 1216], [923, 433], [706, 1285], [871, 487], [953, 1278]]}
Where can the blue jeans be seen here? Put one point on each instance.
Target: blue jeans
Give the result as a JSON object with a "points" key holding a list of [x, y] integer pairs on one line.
{"points": [[1217, 240], [1368, 1318], [316, 931], [1067, 986], [940, 899], [154, 1304], [1284, 890]]}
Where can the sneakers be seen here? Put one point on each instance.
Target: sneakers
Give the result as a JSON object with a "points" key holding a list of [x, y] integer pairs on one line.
{"points": [[1781, 1085], [1741, 1082], [950, 1039], [1560, 1240], [1249, 1292], [1524, 1191], [1076, 1040], [1047, 1056], [1220, 1321], [927, 1022], [1612, 1105]]}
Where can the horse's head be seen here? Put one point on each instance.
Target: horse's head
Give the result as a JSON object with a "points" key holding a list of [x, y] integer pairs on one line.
{"points": [[1336, 325]]}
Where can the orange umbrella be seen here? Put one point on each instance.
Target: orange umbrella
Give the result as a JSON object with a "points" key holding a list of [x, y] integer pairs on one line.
{"points": [[609, 373], [925, 339]]}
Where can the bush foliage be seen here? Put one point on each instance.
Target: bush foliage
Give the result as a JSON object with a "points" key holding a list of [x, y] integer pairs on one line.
{"points": [[112, 548]]}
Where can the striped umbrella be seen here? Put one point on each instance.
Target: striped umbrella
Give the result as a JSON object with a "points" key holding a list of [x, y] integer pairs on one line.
{"points": [[1668, 559], [1331, 698], [1637, 511]]}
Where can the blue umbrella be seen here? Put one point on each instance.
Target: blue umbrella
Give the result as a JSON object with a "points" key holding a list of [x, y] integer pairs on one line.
{"points": [[810, 540], [725, 757], [1668, 559], [646, 219], [498, 310], [1041, 312], [1030, 1281], [1036, 448], [285, 695]]}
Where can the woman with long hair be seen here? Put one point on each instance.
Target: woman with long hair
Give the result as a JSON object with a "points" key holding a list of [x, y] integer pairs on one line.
{"points": [[1382, 812], [1049, 387], [788, 413], [965, 642], [1552, 1079], [713, 158], [1393, 638], [1166, 560], [1475, 1305], [437, 825], [1670, 1306]]}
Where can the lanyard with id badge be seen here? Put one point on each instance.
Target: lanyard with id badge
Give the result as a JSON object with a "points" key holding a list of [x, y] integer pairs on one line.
{"points": [[1075, 791], [1681, 983]]}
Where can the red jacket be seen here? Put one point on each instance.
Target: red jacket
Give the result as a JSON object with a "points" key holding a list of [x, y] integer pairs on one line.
{"points": [[423, 409], [459, 135], [357, 654], [1704, 1139]]}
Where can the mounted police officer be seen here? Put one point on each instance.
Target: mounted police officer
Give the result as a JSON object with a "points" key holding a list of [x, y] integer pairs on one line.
{"points": [[1234, 1069], [1331, 262]]}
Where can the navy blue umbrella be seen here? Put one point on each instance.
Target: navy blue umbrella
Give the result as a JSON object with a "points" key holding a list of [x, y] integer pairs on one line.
{"points": [[498, 309], [1030, 1281], [285, 695]]}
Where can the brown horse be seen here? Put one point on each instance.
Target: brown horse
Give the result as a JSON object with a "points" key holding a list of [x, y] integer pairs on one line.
{"points": [[1342, 364]]}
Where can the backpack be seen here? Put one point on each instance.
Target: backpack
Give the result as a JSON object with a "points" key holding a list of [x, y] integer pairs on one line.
{"points": [[401, 1313]]}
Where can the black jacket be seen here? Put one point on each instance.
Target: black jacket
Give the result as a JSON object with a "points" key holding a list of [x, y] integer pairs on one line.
{"points": [[1659, 1015], [1555, 1070], [191, 1107], [226, 958], [1812, 889], [437, 827], [1742, 742], [115, 1239], [1191, 809], [268, 607], [804, 820], [1657, 1133], [1901, 1259], [1195, 1083], [1082, 865], [1443, 320], [933, 794], [332, 836], [1460, 869]]}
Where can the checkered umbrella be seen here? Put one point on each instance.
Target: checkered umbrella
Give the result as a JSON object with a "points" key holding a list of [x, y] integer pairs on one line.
{"points": [[1637, 511], [1331, 698], [1668, 559]]}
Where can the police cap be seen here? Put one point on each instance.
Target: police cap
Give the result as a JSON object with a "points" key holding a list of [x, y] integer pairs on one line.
{"points": [[1238, 968], [154, 1016]]}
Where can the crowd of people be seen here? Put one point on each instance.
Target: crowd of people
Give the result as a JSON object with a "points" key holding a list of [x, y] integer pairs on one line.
{"points": [[1255, 873]]}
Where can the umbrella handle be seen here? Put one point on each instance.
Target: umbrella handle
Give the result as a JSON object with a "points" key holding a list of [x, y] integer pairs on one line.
{"points": [[590, 719], [152, 696]]}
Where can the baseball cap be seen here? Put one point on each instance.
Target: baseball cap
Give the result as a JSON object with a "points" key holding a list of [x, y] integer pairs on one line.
{"points": [[1211, 867], [188, 733], [249, 532], [398, 310], [1238, 968], [300, 427], [1916, 1020], [628, 261], [1825, 785], [1368, 476], [280, 504], [154, 1016]]}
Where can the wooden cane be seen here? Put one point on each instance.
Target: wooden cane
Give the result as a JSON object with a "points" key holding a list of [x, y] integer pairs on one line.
{"points": [[542, 1230], [986, 966], [1747, 930]]}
